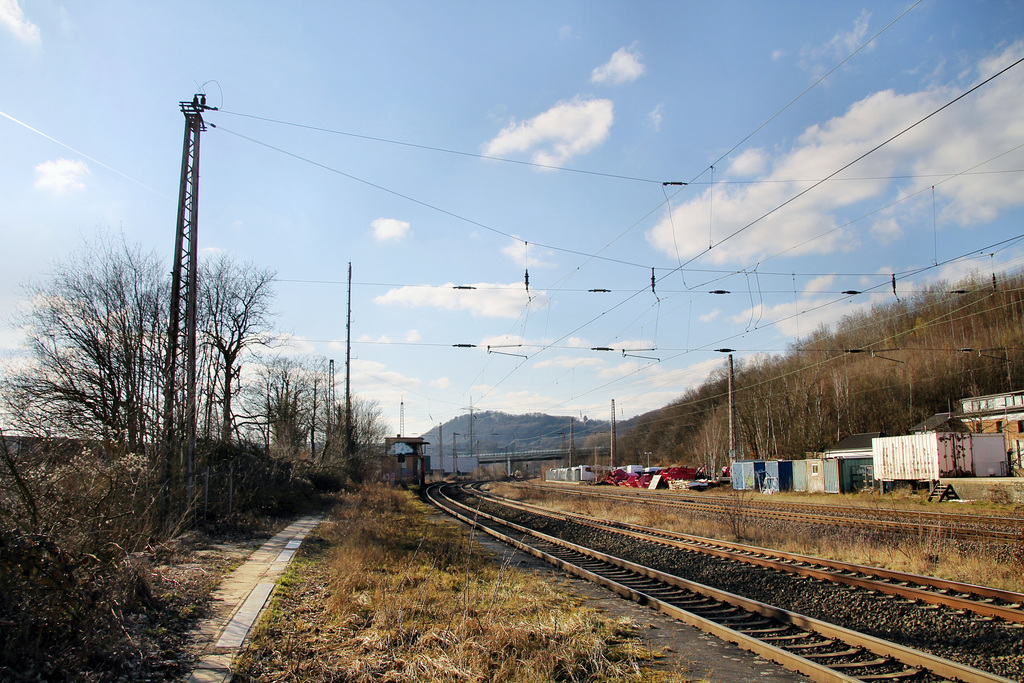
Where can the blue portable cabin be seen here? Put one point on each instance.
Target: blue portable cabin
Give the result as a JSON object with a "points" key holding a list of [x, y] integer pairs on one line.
{"points": [[759, 475], [785, 475], [743, 475], [770, 481], [799, 475], [779, 473], [830, 467]]}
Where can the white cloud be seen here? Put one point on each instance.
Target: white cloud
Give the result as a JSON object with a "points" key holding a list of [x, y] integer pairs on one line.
{"points": [[380, 339], [12, 16], [843, 44], [569, 362], [622, 369], [976, 129], [623, 67], [210, 253], [288, 344], [61, 175], [505, 341], [802, 316], [838, 48], [819, 284], [749, 163], [389, 229], [373, 381], [708, 317], [566, 130], [412, 336], [655, 117], [529, 256], [886, 230], [440, 383], [485, 299]]}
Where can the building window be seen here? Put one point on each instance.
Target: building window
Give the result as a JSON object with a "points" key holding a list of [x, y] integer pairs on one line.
{"points": [[999, 426], [814, 469]]}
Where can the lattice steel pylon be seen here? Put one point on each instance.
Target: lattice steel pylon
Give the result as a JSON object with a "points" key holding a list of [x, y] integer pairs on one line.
{"points": [[180, 387]]}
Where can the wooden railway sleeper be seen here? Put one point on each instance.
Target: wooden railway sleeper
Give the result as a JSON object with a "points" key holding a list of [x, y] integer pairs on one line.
{"points": [[866, 664], [809, 646], [849, 652], [762, 633], [894, 676]]}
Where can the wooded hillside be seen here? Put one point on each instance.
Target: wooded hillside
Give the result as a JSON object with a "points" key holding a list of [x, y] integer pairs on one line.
{"points": [[884, 369], [494, 431]]}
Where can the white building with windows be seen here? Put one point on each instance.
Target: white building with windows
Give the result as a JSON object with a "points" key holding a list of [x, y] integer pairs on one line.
{"points": [[999, 414]]}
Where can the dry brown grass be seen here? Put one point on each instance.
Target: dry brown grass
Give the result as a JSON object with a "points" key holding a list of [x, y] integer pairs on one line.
{"points": [[928, 555], [402, 597]]}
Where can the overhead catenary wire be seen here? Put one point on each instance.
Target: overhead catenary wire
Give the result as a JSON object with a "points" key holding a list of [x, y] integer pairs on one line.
{"points": [[475, 155], [748, 289], [421, 202]]}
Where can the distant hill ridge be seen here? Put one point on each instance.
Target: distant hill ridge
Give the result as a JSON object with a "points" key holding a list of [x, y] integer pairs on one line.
{"points": [[496, 431]]}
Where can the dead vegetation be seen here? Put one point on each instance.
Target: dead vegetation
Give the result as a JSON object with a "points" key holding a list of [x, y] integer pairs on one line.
{"points": [[383, 593]]}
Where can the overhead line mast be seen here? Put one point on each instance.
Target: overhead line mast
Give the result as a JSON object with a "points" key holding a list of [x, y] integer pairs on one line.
{"points": [[179, 428]]}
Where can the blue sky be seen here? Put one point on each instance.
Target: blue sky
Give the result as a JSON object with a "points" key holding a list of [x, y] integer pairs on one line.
{"points": [[444, 144]]}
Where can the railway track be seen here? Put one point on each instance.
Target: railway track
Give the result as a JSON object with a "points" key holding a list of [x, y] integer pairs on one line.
{"points": [[989, 529], [821, 650], [982, 600]]}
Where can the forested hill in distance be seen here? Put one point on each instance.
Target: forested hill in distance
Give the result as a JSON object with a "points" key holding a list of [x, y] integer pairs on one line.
{"points": [[495, 431], [885, 367]]}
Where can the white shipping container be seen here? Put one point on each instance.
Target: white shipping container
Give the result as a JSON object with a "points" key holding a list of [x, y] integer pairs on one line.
{"points": [[935, 455]]}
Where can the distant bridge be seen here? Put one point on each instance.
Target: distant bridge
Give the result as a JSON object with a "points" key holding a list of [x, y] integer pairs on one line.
{"points": [[580, 456]]}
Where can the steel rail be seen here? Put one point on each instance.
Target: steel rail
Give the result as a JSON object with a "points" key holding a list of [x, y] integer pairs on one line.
{"points": [[806, 517], [941, 516], [806, 565], [906, 657], [815, 671]]}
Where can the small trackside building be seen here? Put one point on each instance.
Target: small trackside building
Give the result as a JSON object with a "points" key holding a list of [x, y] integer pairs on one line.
{"points": [[404, 462]]}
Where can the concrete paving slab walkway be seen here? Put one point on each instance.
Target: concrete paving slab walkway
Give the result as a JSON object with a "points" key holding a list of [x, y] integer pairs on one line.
{"points": [[240, 599]]}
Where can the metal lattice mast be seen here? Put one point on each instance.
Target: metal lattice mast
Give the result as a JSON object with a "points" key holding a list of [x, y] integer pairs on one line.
{"points": [[350, 434], [180, 388], [611, 459], [331, 398]]}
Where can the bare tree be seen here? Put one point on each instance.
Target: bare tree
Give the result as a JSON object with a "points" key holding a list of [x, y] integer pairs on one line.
{"points": [[277, 402], [94, 340], [234, 305], [359, 461]]}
